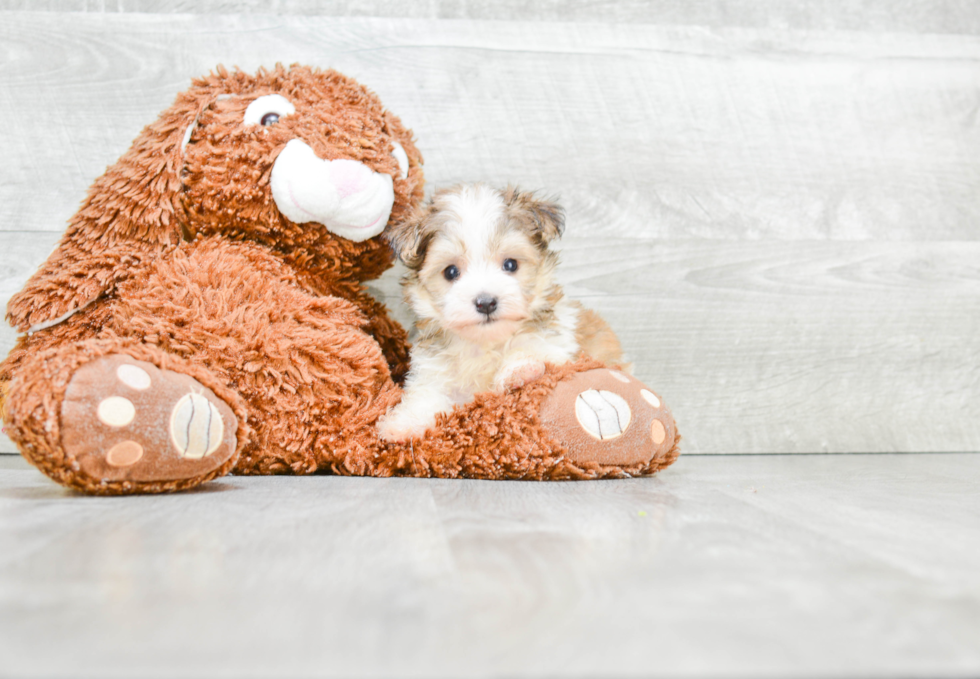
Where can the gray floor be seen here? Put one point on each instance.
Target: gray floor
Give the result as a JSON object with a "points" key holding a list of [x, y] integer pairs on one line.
{"points": [[860, 565]]}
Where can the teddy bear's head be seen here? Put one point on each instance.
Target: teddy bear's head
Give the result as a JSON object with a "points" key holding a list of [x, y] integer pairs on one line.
{"points": [[306, 162]]}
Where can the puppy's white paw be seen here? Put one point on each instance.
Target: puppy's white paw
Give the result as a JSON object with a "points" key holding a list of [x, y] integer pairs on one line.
{"points": [[397, 432], [398, 427], [519, 373]]}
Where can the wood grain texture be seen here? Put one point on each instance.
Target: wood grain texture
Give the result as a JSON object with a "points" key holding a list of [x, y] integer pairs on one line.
{"points": [[780, 224], [913, 16], [780, 566], [652, 131]]}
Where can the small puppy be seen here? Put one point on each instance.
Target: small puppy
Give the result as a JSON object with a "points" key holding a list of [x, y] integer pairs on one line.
{"points": [[481, 279]]}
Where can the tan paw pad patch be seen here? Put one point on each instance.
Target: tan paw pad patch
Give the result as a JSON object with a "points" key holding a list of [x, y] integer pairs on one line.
{"points": [[124, 454], [116, 411], [603, 414], [196, 428], [620, 376], [133, 377], [658, 433], [650, 397]]}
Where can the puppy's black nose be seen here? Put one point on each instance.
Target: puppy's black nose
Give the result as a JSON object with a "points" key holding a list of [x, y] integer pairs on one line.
{"points": [[485, 304]]}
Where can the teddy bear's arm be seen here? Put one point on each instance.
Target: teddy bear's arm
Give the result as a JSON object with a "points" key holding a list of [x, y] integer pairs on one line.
{"points": [[73, 277], [129, 217]]}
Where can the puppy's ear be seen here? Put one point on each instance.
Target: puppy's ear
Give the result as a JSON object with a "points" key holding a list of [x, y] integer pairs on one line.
{"points": [[542, 220], [409, 238]]}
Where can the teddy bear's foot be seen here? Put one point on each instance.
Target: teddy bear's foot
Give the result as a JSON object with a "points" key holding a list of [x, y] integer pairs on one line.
{"points": [[607, 418], [132, 427]]}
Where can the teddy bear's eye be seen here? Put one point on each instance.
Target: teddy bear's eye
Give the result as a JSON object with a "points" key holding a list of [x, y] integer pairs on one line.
{"points": [[451, 272], [399, 153], [268, 110], [510, 265]]}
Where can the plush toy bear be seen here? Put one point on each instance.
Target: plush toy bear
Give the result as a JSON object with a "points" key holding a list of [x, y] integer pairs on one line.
{"points": [[204, 313]]}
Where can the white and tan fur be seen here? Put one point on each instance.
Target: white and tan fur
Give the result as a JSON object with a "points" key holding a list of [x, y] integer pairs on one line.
{"points": [[523, 319]]}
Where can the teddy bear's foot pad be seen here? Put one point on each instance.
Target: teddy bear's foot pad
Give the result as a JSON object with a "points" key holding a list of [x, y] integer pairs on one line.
{"points": [[607, 417], [127, 420]]}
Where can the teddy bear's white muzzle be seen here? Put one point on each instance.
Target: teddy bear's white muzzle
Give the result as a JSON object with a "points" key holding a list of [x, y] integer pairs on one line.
{"points": [[346, 196]]}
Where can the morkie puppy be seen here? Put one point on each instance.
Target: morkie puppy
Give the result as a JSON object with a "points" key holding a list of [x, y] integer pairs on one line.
{"points": [[481, 280]]}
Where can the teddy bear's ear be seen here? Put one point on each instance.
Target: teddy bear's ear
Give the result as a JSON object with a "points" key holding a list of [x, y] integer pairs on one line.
{"points": [[543, 220], [132, 213]]}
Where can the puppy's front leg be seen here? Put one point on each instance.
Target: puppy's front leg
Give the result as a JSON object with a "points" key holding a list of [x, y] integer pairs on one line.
{"points": [[517, 372], [427, 393], [414, 414]]}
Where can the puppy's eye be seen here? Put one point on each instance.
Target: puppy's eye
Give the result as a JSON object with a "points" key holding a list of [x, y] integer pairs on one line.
{"points": [[510, 265], [451, 272], [268, 110]]}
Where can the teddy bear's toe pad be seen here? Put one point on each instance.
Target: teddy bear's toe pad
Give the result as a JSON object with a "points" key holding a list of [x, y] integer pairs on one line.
{"points": [[127, 420], [606, 417]]}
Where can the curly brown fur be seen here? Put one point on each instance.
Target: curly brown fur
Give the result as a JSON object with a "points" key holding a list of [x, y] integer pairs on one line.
{"points": [[161, 193], [181, 249], [313, 381], [501, 436]]}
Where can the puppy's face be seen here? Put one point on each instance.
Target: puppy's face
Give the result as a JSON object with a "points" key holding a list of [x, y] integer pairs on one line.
{"points": [[478, 259]]}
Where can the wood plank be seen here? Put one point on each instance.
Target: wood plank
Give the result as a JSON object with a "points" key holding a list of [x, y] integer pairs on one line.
{"points": [[788, 347], [668, 132], [925, 16]]}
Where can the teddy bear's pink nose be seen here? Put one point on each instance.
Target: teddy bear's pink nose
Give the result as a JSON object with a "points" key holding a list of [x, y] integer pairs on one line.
{"points": [[348, 176]]}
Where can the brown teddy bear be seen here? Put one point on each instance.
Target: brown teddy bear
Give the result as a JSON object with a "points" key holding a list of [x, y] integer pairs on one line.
{"points": [[205, 313]]}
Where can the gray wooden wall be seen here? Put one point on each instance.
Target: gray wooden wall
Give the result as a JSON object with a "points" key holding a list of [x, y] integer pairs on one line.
{"points": [[775, 203]]}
